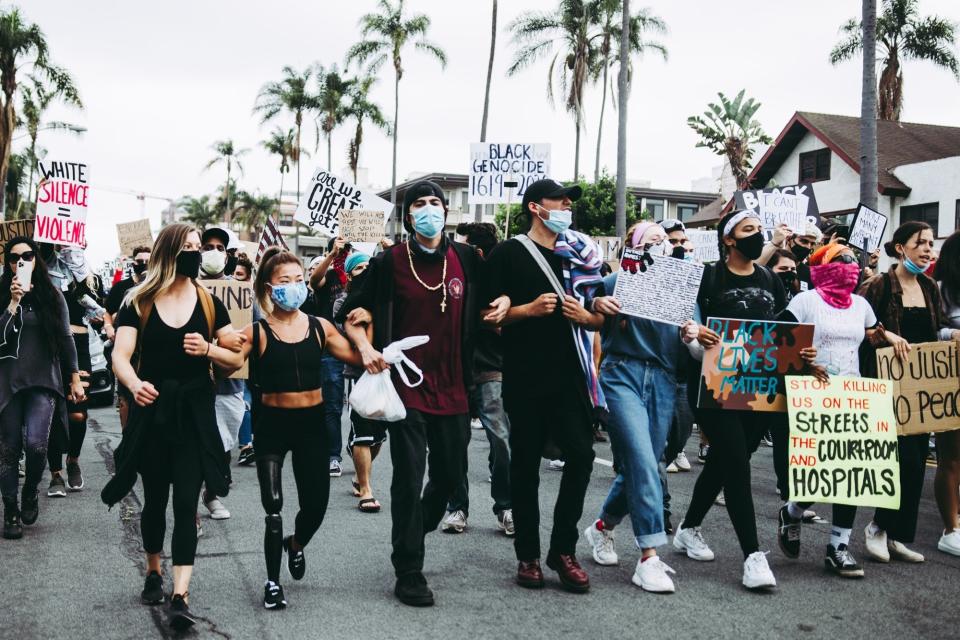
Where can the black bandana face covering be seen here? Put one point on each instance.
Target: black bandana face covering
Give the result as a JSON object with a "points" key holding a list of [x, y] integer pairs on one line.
{"points": [[801, 252], [752, 246]]}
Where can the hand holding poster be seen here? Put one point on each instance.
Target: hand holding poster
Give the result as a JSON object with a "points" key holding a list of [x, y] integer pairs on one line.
{"points": [[492, 165], [867, 230], [134, 234], [61, 215], [793, 206], [360, 226], [745, 371], [926, 387], [326, 195], [237, 297], [665, 291], [843, 447]]}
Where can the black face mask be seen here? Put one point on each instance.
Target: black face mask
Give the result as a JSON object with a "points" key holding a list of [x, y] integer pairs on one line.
{"points": [[678, 252], [751, 247], [788, 278], [231, 265], [188, 264], [800, 251], [139, 268]]}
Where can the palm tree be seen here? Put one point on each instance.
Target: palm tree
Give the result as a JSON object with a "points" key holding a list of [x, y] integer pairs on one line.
{"points": [[901, 35], [35, 99], [333, 89], [609, 16], [199, 212], [22, 46], [729, 130], [385, 33], [283, 143], [228, 154], [360, 107], [252, 212], [478, 209], [566, 32]]}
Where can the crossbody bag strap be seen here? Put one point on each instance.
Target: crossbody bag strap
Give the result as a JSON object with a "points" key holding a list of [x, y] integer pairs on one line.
{"points": [[209, 314], [145, 310]]}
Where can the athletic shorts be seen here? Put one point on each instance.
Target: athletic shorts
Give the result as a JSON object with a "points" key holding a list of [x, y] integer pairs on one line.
{"points": [[365, 432]]}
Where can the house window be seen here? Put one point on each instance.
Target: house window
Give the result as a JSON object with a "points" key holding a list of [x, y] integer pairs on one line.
{"points": [[655, 209], [815, 165], [687, 211], [929, 213]]}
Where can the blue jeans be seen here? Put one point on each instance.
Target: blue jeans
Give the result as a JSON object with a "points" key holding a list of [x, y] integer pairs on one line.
{"points": [[246, 427], [641, 397], [487, 400], [333, 403], [680, 431]]}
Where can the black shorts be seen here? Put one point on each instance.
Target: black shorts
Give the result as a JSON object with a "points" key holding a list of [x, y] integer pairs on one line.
{"points": [[365, 432]]}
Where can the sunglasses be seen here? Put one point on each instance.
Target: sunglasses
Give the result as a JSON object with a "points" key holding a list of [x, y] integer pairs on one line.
{"points": [[671, 225], [15, 257], [845, 258]]}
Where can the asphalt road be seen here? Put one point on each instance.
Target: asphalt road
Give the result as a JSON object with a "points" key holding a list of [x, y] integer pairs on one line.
{"points": [[78, 572]]}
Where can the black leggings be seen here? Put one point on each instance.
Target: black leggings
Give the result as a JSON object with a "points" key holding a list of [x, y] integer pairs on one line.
{"points": [[76, 414], [302, 433]]}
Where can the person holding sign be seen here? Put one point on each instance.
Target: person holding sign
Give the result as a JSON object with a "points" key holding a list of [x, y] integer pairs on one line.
{"points": [[638, 375], [801, 246], [908, 303]]}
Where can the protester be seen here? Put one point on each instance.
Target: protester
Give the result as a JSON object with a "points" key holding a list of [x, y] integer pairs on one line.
{"points": [[37, 347], [243, 272], [907, 303], [799, 245], [550, 388], [784, 264], [873, 262], [165, 356]]}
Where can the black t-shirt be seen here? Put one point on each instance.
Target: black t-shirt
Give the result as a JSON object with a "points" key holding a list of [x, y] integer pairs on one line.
{"points": [[162, 356], [117, 294], [539, 357], [758, 296], [323, 298]]}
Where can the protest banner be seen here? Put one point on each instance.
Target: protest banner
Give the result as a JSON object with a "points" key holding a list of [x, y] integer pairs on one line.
{"points": [[843, 444], [61, 214], [134, 234], [270, 237], [13, 229], [745, 371], [705, 247], [494, 164], [867, 229], [237, 297], [327, 195], [793, 206], [926, 387], [665, 291], [361, 226]]}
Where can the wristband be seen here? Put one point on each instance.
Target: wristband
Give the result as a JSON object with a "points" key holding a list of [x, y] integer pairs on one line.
{"points": [[208, 350]]}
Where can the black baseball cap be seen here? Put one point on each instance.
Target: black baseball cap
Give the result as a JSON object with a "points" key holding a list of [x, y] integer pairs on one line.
{"points": [[215, 232], [547, 188]]}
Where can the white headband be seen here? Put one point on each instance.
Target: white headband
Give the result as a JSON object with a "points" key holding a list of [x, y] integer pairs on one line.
{"points": [[737, 219]]}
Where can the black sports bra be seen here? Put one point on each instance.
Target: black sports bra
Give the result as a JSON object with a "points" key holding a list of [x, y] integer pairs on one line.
{"points": [[290, 367]]}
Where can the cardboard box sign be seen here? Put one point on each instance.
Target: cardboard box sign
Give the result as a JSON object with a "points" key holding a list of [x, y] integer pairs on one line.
{"points": [[13, 229], [237, 297], [926, 389], [134, 234]]}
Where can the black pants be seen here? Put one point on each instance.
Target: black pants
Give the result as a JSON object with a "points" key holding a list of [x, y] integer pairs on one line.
{"points": [[76, 414], [901, 524], [415, 509], [301, 432], [567, 420]]}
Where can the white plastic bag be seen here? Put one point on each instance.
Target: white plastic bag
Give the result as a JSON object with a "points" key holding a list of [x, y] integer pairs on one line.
{"points": [[373, 397]]}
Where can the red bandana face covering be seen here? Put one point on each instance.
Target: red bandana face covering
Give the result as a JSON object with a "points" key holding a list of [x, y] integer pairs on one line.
{"points": [[835, 282]]}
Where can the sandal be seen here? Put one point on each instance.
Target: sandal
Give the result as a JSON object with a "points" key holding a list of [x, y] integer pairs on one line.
{"points": [[356, 489], [369, 505]]}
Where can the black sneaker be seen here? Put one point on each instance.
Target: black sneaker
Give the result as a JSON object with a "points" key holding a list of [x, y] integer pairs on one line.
{"points": [[12, 529], [273, 596], [74, 477], [247, 457], [57, 488], [841, 562], [702, 453], [152, 589], [412, 590], [788, 533], [667, 525], [29, 507], [296, 561], [180, 618]]}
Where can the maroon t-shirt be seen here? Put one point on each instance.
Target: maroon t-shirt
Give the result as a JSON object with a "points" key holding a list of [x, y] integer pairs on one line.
{"points": [[416, 312]]}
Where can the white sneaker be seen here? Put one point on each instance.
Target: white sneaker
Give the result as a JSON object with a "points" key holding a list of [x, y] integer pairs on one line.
{"points": [[756, 572], [875, 540], [336, 470], [899, 551], [672, 467], [505, 522], [601, 545], [720, 500], [217, 510], [682, 463], [691, 541], [652, 576], [455, 522], [476, 424], [950, 543], [556, 465]]}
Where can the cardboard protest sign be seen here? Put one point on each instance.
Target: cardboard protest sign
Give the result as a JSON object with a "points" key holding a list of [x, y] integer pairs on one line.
{"points": [[745, 370], [665, 291], [358, 225], [237, 297], [926, 387], [61, 216], [705, 247], [327, 195], [610, 247], [270, 237], [843, 442], [134, 234], [493, 164], [793, 206], [867, 230], [13, 229]]}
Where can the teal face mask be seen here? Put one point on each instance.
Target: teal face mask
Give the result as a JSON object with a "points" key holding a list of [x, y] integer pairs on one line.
{"points": [[910, 266], [428, 221], [559, 220], [289, 297]]}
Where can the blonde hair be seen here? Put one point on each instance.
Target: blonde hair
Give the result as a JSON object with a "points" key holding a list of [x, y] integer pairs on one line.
{"points": [[162, 270]]}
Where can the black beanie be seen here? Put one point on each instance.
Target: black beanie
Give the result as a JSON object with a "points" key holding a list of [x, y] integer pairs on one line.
{"points": [[417, 191]]}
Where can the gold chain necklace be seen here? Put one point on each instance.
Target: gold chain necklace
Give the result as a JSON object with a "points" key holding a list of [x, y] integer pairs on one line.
{"points": [[443, 278]]}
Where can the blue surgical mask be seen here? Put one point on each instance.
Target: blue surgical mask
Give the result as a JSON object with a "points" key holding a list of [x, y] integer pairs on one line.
{"points": [[428, 221], [559, 220], [909, 265], [289, 297]]}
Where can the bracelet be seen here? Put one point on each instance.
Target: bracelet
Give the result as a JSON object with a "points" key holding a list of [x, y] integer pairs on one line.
{"points": [[208, 350]]}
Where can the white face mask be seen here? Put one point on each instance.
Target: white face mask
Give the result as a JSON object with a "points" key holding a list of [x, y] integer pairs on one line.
{"points": [[213, 262]]}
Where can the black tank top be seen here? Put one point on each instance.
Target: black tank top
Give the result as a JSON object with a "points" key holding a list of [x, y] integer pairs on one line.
{"points": [[289, 367]]}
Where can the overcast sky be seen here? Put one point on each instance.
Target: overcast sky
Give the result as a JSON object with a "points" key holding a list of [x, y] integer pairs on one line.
{"points": [[163, 80]]}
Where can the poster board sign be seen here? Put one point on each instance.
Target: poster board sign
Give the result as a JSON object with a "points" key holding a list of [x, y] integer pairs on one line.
{"points": [[237, 297], [493, 164], [134, 234], [327, 195], [793, 206], [61, 214], [926, 387], [705, 247], [745, 371], [867, 229], [361, 226], [610, 247], [665, 291], [843, 442], [13, 229]]}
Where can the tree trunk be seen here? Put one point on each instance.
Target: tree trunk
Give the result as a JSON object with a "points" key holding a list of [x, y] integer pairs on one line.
{"points": [[603, 106], [7, 123], [33, 158], [393, 179], [478, 209], [576, 152], [623, 94], [329, 152], [890, 90], [868, 110], [228, 216], [280, 198], [357, 141]]}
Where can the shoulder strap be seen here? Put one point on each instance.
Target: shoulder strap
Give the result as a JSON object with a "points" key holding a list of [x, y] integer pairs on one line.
{"points": [[206, 303], [254, 353], [531, 248], [145, 310], [317, 327]]}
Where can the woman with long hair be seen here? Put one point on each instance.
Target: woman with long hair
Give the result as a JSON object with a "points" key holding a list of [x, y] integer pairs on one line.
{"points": [[37, 349], [171, 334]]}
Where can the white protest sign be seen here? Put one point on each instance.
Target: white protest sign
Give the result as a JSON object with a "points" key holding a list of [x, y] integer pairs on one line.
{"points": [[666, 291], [360, 226], [705, 248], [610, 246], [793, 206], [867, 230], [327, 194], [61, 216], [493, 164]]}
